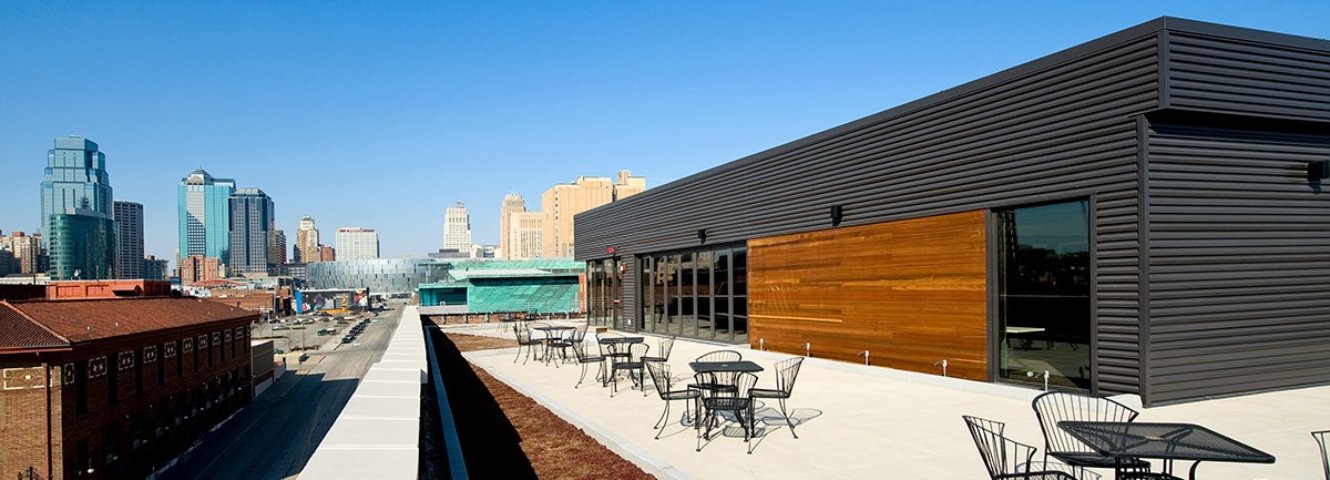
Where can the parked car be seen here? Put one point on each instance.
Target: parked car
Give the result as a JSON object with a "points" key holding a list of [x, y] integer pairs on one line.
{"points": [[280, 327], [348, 338]]}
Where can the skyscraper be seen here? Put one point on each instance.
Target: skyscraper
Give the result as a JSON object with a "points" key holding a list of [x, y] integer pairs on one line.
{"points": [[512, 203], [251, 225], [129, 225], [526, 234], [628, 185], [563, 201], [307, 242], [76, 185], [154, 269], [277, 247], [355, 243], [205, 215], [27, 252], [457, 228]]}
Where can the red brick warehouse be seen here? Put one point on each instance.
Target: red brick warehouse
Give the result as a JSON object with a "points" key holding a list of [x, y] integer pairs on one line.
{"points": [[115, 388]]}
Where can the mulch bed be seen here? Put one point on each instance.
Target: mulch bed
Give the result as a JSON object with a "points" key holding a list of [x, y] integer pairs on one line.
{"points": [[505, 434]]}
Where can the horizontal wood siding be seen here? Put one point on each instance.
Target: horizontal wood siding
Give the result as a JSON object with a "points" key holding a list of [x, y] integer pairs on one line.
{"points": [[910, 292], [1216, 74], [1240, 262]]}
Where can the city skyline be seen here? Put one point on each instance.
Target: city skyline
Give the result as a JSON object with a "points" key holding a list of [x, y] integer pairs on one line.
{"points": [[660, 90]]}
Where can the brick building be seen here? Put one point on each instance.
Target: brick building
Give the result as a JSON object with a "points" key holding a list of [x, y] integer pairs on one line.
{"points": [[115, 388]]}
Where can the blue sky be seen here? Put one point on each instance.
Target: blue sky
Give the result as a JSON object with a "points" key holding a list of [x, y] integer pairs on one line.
{"points": [[380, 114]]}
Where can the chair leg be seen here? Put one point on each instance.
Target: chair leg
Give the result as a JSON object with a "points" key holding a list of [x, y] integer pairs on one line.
{"points": [[519, 353], [582, 377], [660, 424], [788, 421], [750, 428]]}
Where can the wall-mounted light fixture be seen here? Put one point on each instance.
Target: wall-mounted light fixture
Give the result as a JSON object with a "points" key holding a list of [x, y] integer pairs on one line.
{"points": [[701, 236], [836, 215], [1318, 170]]}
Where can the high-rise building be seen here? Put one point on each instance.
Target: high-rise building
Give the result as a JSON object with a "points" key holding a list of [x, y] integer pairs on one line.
{"points": [[75, 178], [562, 202], [277, 247], [27, 252], [154, 269], [327, 253], [129, 249], [198, 268], [205, 215], [627, 185], [307, 242], [77, 208], [355, 243], [8, 264], [457, 228], [251, 225], [82, 245], [512, 203], [526, 233]]}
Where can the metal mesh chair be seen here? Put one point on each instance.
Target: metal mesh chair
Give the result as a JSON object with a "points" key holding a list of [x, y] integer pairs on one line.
{"points": [[740, 404], [634, 363], [660, 377], [585, 359], [786, 372], [1053, 407], [1008, 459], [663, 353], [524, 340], [1325, 451], [719, 382]]}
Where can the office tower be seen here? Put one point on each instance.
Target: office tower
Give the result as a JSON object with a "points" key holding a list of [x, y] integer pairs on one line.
{"points": [[77, 211], [27, 250], [75, 178], [154, 269], [327, 253], [198, 268], [82, 246], [251, 225], [457, 228], [561, 202], [8, 264], [129, 251], [355, 243], [526, 234], [512, 203], [205, 216], [277, 247], [627, 185], [307, 242]]}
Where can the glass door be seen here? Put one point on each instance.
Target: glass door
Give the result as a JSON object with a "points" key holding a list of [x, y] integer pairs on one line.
{"points": [[1044, 294]]}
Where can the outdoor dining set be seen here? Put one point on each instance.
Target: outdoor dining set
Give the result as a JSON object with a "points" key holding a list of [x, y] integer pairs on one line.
{"points": [[723, 388], [1083, 432]]}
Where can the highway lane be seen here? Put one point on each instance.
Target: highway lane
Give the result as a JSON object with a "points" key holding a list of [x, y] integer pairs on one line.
{"points": [[273, 437]]}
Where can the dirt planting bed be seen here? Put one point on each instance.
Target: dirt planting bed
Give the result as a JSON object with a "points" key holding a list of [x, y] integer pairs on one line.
{"points": [[505, 434]]}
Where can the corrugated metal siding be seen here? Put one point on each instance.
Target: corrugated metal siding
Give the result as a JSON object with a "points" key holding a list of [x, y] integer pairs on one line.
{"points": [[1239, 255], [1057, 133], [1251, 78], [630, 281]]}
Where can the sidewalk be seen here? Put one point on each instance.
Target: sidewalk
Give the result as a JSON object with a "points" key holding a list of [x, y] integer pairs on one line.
{"points": [[873, 422]]}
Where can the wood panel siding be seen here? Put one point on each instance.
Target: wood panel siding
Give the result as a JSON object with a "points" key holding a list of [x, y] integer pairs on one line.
{"points": [[910, 292], [1239, 250]]}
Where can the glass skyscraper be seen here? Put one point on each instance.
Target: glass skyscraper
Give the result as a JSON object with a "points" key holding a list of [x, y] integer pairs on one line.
{"points": [[77, 211], [205, 215], [251, 225]]}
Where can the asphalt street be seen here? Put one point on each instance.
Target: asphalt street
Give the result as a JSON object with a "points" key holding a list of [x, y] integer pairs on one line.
{"points": [[273, 437]]}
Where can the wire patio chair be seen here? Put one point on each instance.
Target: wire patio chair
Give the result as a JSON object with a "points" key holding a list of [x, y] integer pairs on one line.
{"points": [[660, 377], [786, 372]]}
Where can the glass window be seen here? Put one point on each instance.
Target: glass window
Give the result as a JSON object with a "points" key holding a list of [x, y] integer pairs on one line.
{"points": [[739, 275], [1044, 294]]}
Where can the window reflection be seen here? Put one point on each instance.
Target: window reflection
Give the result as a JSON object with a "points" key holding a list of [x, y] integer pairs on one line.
{"points": [[1044, 294], [693, 293]]}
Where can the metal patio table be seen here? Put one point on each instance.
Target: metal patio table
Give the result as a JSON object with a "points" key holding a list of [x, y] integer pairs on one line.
{"points": [[616, 343], [1163, 441], [716, 367], [551, 331]]}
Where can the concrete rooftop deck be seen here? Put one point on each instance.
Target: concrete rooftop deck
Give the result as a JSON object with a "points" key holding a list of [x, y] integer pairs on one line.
{"points": [[874, 422]]}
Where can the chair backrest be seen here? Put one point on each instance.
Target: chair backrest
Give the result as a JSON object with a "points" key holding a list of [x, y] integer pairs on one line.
{"points": [[1325, 453], [743, 383], [523, 335], [666, 345], [579, 334], [1001, 455], [721, 356], [660, 377], [786, 372], [1053, 407], [636, 351]]}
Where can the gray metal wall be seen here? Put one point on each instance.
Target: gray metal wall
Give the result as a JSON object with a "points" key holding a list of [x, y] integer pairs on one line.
{"points": [[1073, 125], [1062, 131]]}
